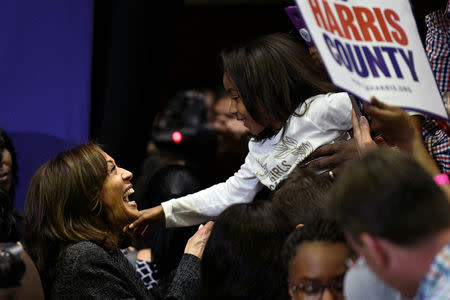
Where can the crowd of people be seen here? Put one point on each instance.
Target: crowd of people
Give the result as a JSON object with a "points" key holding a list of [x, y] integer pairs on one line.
{"points": [[291, 196]]}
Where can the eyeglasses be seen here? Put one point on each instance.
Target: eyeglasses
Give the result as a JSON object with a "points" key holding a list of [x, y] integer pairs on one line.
{"points": [[313, 289]]}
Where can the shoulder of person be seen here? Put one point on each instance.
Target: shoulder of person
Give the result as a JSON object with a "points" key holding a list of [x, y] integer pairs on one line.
{"points": [[332, 111], [84, 247], [339, 100], [333, 98], [333, 107], [82, 253], [87, 270]]}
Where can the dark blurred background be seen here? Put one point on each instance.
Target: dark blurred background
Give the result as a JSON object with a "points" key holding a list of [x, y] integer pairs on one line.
{"points": [[146, 51]]}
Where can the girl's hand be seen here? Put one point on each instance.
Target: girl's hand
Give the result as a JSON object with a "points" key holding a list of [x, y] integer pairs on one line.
{"points": [[145, 219]]}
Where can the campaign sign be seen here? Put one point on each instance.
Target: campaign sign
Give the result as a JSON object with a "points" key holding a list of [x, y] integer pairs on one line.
{"points": [[372, 48]]}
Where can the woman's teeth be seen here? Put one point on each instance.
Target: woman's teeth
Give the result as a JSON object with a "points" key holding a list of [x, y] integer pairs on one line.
{"points": [[127, 193]]}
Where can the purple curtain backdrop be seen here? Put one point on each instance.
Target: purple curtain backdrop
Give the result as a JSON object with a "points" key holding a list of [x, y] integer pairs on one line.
{"points": [[45, 63]]}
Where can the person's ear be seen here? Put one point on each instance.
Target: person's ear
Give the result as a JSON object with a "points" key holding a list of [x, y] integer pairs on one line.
{"points": [[374, 250]]}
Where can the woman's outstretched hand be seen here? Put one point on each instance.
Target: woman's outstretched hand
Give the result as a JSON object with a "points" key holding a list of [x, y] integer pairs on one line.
{"points": [[145, 219], [196, 244]]}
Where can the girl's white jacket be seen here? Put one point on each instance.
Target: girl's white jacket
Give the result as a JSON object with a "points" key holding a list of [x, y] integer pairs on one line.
{"points": [[323, 118]]}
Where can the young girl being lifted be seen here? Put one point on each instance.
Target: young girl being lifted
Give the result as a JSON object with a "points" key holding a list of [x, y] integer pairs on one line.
{"points": [[286, 103]]}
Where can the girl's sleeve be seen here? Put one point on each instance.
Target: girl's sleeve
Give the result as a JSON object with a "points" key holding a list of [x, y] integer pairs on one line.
{"points": [[333, 112], [208, 203]]}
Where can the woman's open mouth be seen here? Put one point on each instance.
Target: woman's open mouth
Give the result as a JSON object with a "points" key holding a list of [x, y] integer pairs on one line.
{"points": [[125, 198]]}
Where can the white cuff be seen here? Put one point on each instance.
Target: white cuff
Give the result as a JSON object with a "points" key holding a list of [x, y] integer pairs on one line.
{"points": [[167, 208]]}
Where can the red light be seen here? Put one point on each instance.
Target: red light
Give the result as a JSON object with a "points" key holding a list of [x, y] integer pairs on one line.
{"points": [[177, 136]]}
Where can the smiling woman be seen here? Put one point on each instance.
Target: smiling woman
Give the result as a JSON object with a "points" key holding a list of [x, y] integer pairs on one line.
{"points": [[77, 204], [116, 189]]}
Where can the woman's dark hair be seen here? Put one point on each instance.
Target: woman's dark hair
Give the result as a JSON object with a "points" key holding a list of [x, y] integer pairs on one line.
{"points": [[6, 143], [317, 230], [64, 207], [8, 232], [273, 74], [167, 244], [242, 256]]}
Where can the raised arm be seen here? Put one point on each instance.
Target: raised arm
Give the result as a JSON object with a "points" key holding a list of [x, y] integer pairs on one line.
{"points": [[203, 205], [398, 130]]}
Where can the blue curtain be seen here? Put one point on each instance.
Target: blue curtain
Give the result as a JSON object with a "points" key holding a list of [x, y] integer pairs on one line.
{"points": [[45, 63]]}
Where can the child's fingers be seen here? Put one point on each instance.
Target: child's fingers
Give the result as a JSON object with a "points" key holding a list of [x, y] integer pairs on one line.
{"points": [[148, 217], [136, 223], [147, 228], [133, 234]]}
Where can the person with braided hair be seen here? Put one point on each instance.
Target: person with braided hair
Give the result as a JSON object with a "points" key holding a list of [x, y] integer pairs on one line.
{"points": [[315, 256]]}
